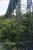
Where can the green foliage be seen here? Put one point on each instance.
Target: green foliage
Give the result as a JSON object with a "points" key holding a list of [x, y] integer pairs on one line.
{"points": [[7, 30]]}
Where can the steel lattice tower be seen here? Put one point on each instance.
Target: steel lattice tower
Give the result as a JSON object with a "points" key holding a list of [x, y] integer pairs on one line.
{"points": [[18, 19], [11, 7], [29, 6]]}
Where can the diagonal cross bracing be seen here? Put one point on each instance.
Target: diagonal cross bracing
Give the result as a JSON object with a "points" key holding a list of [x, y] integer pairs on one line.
{"points": [[11, 7]]}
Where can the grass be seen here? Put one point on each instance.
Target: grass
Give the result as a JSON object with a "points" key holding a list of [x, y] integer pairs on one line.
{"points": [[6, 20]]}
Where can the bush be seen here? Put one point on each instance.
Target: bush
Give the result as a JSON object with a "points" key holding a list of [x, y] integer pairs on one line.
{"points": [[7, 30]]}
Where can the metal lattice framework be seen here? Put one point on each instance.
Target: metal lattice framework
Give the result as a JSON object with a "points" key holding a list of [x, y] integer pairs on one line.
{"points": [[11, 7], [25, 45], [19, 18]]}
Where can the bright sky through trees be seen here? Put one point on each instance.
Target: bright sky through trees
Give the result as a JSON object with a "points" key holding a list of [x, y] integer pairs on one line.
{"points": [[4, 5]]}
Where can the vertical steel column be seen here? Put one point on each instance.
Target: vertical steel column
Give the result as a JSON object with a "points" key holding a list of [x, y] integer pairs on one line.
{"points": [[29, 17], [29, 6], [18, 19]]}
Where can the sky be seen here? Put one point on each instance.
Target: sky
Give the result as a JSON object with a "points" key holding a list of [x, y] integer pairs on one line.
{"points": [[4, 5]]}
